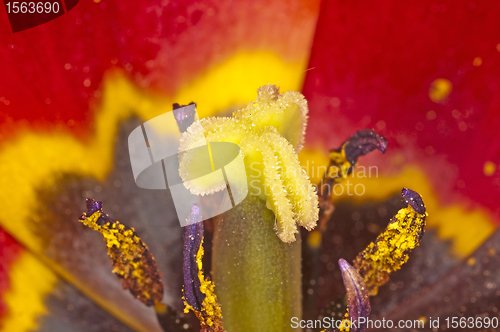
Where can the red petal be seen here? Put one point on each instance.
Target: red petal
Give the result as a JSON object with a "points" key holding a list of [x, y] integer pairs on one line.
{"points": [[9, 252], [374, 63], [52, 73]]}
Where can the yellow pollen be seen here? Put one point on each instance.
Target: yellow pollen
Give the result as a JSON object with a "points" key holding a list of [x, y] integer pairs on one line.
{"points": [[131, 259], [391, 249], [314, 239], [439, 90], [211, 313]]}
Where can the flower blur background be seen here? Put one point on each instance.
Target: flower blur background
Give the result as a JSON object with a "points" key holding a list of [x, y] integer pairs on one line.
{"points": [[424, 74]]}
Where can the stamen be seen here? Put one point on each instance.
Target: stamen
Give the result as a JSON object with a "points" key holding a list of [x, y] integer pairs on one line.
{"points": [[193, 235], [361, 143], [391, 249], [184, 115], [132, 261], [342, 162], [199, 293], [358, 298]]}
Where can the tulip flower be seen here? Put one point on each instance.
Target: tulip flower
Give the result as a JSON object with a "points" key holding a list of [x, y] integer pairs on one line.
{"points": [[416, 81]]}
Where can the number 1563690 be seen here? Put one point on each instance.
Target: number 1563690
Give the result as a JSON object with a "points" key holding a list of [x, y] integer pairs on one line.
{"points": [[32, 7]]}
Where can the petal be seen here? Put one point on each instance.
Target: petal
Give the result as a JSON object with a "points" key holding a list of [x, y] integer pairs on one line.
{"points": [[53, 73], [425, 76], [10, 251], [471, 289], [32, 297]]}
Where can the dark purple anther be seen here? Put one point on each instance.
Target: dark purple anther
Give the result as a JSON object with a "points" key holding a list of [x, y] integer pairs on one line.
{"points": [[358, 298], [193, 236], [414, 200], [184, 115], [363, 142], [92, 206]]}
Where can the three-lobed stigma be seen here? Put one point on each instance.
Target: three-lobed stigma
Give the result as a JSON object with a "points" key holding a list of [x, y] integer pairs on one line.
{"points": [[270, 133]]}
